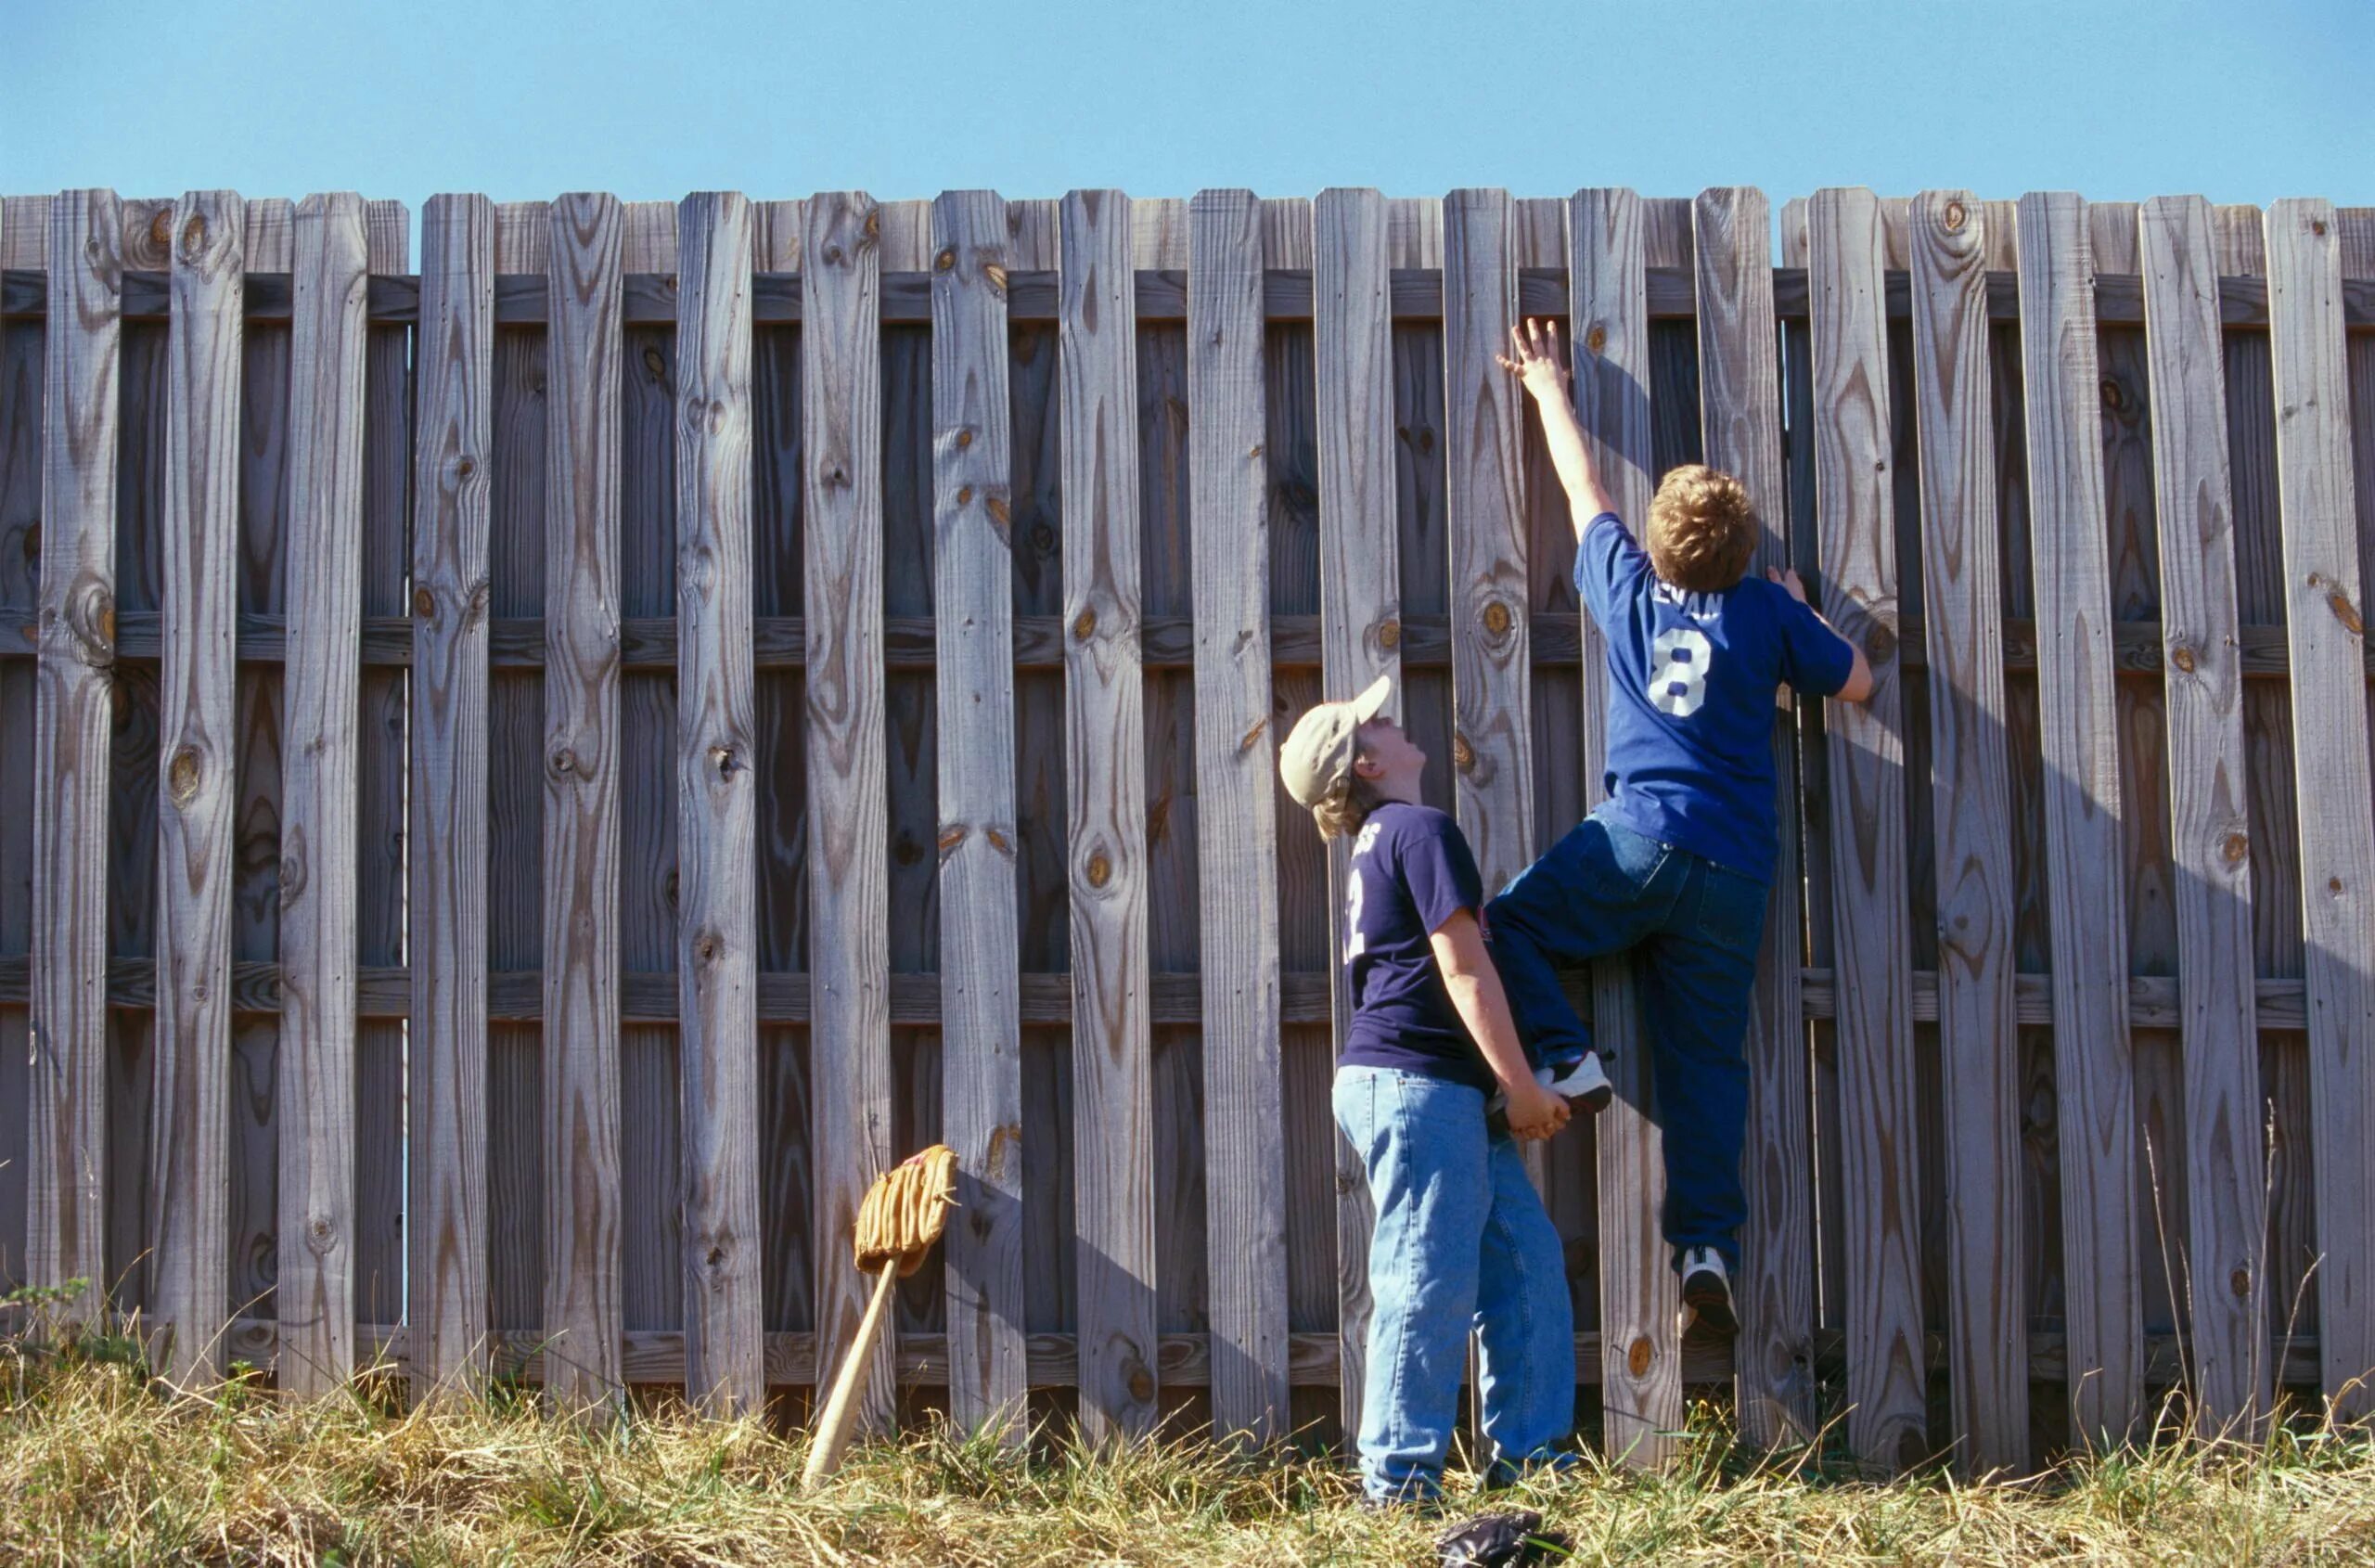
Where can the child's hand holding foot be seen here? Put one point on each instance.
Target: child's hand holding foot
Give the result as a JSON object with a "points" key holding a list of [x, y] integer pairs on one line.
{"points": [[1533, 1112]]}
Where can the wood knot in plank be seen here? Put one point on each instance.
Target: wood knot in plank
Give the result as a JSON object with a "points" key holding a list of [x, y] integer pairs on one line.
{"points": [[1252, 735], [1389, 634], [2240, 1283], [964, 495], [1001, 517], [160, 227], [194, 238], [950, 837], [999, 842], [1141, 1382], [726, 762], [86, 618], [963, 437], [1463, 756], [708, 946], [1100, 869], [2334, 885], [564, 762], [2235, 848], [424, 603], [1956, 217], [1636, 1357], [1084, 625], [1596, 339], [1005, 1142], [2182, 656], [996, 274], [1497, 619], [946, 260], [293, 874], [184, 775], [2347, 613]]}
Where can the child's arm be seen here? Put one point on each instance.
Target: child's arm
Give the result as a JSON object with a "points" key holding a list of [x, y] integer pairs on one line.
{"points": [[1859, 679], [1541, 365], [1476, 995]]}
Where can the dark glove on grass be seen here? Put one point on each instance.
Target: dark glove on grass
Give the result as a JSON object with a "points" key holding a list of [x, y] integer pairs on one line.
{"points": [[1502, 1540]]}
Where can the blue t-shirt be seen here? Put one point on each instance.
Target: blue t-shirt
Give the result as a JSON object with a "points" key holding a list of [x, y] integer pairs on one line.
{"points": [[1690, 697], [1411, 870]]}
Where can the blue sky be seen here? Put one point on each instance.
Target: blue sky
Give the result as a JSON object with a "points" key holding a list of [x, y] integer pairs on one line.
{"points": [[2241, 102]]}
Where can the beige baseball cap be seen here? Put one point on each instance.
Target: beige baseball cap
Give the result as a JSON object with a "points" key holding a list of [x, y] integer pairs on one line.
{"points": [[1319, 754]]}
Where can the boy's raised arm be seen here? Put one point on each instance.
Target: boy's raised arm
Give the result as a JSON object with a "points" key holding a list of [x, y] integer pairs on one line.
{"points": [[1541, 364]]}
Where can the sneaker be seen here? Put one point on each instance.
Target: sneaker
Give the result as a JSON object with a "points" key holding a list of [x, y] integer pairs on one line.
{"points": [[1583, 1083], [1707, 1293]]}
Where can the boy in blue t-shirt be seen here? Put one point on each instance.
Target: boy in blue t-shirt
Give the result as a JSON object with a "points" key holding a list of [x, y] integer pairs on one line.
{"points": [[1674, 864], [1461, 1239]]}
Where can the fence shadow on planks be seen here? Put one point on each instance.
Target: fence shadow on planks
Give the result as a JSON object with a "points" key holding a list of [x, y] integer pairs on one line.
{"points": [[622, 731]]}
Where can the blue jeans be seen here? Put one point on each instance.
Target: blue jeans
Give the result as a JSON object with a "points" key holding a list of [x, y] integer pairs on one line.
{"points": [[1460, 1238], [1693, 928]]}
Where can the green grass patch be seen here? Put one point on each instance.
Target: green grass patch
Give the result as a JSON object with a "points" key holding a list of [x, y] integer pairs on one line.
{"points": [[102, 1467]]}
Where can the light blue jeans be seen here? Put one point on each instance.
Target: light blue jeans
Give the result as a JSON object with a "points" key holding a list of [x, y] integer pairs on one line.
{"points": [[1461, 1239]]}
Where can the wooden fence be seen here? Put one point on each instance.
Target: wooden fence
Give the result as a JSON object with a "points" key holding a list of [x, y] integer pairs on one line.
{"points": [[526, 782]]}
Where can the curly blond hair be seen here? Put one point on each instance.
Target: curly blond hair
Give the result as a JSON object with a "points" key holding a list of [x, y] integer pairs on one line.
{"points": [[1702, 531], [1341, 811]]}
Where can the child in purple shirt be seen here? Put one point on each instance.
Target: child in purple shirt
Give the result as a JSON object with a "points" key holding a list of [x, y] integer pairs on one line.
{"points": [[1460, 1237]]}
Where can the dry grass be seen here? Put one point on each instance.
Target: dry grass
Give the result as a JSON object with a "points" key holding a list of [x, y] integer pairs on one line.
{"points": [[101, 1469]]}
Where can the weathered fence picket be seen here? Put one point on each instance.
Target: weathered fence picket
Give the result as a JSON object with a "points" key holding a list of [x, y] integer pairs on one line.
{"points": [[1244, 1144], [581, 798], [1360, 595], [446, 1092], [66, 1076], [980, 1016], [1741, 422], [716, 926], [1640, 1297], [2325, 619], [2209, 817], [536, 777], [1845, 288], [1105, 797], [2072, 564], [1979, 1048], [189, 1152]]}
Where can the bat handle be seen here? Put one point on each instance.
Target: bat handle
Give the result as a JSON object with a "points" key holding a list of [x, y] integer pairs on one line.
{"points": [[841, 1411]]}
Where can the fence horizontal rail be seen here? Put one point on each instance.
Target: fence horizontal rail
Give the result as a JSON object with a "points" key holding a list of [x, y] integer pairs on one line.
{"points": [[657, 1357], [650, 996], [1168, 642], [523, 299]]}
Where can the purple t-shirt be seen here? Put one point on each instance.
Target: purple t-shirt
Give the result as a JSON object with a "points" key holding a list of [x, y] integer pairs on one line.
{"points": [[1411, 871]]}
